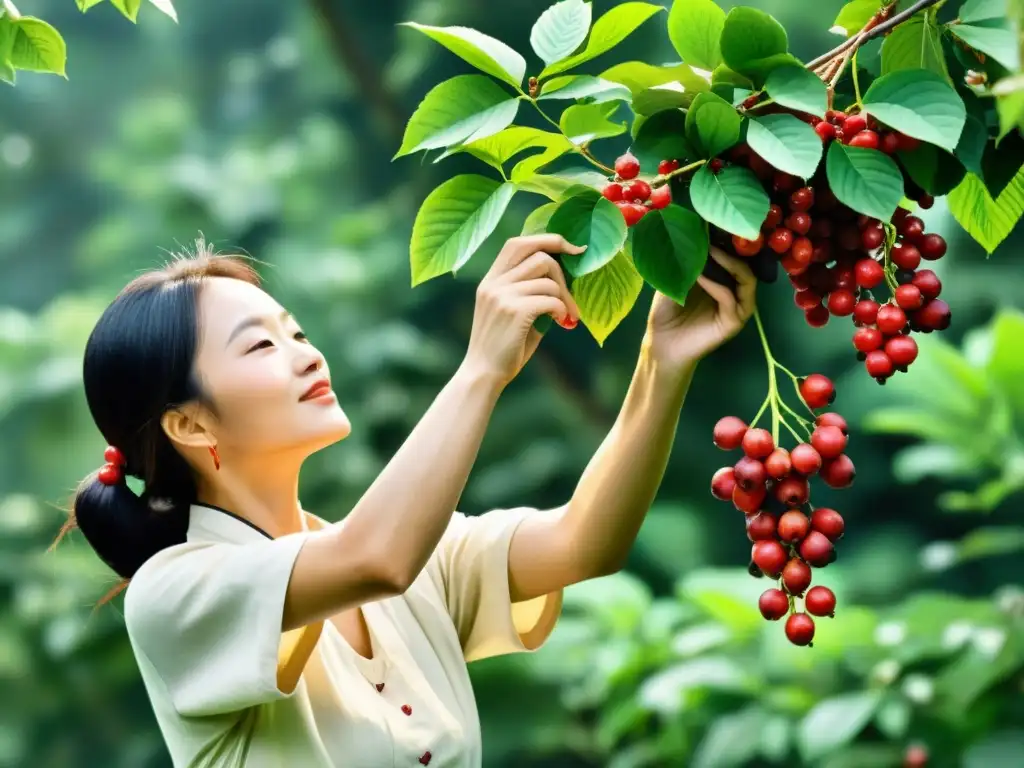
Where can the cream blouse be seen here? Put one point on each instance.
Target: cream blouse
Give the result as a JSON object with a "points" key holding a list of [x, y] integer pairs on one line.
{"points": [[204, 621]]}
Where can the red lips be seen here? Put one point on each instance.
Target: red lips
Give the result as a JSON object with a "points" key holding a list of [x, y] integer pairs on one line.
{"points": [[320, 387]]}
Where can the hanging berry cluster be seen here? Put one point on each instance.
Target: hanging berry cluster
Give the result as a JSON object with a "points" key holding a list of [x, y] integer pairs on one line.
{"points": [[636, 197]]}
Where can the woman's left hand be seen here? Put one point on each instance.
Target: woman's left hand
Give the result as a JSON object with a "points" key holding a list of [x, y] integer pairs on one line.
{"points": [[678, 336]]}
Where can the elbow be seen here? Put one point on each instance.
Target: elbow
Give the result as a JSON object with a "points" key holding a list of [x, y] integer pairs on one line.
{"points": [[609, 567], [390, 578]]}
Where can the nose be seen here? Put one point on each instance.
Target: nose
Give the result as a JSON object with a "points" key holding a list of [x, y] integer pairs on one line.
{"points": [[308, 361]]}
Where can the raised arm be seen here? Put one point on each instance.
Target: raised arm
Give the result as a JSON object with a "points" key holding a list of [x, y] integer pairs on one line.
{"points": [[380, 548]]}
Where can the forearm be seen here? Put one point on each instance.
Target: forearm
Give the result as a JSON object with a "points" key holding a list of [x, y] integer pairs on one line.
{"points": [[622, 479]]}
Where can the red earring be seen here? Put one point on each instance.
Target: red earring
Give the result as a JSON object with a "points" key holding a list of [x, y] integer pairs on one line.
{"points": [[216, 457]]}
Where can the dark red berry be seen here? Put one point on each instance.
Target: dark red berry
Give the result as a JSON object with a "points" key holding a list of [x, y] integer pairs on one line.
{"points": [[744, 247], [928, 283], [909, 297], [912, 228], [934, 315], [793, 491], [806, 460], [891, 319], [773, 604], [816, 549], [778, 464], [841, 302], [905, 256], [817, 317], [872, 238], [828, 441], [808, 299], [868, 340], [796, 576], [802, 250], [758, 443], [793, 526], [800, 629], [722, 484], [832, 420], [869, 273], [716, 165], [784, 182], [770, 557], [865, 312], [865, 139], [828, 522], [802, 199], [854, 124], [750, 473], [729, 431], [773, 219], [799, 222], [780, 240], [661, 197], [613, 192], [627, 166], [926, 201], [907, 143], [748, 501], [889, 144], [761, 526], [878, 365], [901, 350], [820, 601], [839, 472], [932, 246]]}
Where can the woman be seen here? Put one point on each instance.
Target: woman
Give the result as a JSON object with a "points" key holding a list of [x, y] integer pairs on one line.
{"points": [[268, 637]]}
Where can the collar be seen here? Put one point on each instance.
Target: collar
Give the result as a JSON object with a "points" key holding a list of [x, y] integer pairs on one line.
{"points": [[210, 523]]}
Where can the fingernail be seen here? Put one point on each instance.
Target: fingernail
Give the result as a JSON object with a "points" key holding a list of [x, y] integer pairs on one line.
{"points": [[581, 248], [569, 322]]}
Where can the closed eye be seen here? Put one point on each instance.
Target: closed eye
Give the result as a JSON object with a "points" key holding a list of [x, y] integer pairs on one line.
{"points": [[299, 336]]}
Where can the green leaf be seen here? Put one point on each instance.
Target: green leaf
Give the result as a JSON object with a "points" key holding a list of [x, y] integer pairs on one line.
{"points": [[589, 219], [990, 542], [999, 43], [893, 717], [608, 31], [864, 179], [787, 143], [723, 77], [732, 739], [670, 248], [130, 8], [558, 186], [34, 46], [733, 200], [638, 76], [855, 15], [560, 30], [584, 87], [1001, 748], [695, 28], [918, 103], [537, 222], [914, 44], [1009, 93], [835, 722], [528, 167], [85, 5], [583, 123], [988, 221], [166, 7], [606, 295], [662, 137], [662, 98], [1006, 366], [712, 124], [799, 89], [453, 222], [974, 11], [971, 148], [935, 170], [498, 149], [480, 50], [753, 43], [460, 110]]}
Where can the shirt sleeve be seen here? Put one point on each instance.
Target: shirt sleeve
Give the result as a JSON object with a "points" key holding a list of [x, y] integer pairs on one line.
{"points": [[473, 560], [208, 620]]}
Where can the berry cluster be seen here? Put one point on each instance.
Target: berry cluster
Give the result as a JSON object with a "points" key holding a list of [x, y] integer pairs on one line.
{"points": [[636, 197], [835, 258], [771, 485]]}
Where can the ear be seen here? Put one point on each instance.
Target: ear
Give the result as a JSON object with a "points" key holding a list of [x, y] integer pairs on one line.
{"points": [[188, 427]]}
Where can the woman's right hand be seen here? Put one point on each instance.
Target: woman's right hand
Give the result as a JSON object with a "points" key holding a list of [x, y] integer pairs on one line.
{"points": [[524, 283]]}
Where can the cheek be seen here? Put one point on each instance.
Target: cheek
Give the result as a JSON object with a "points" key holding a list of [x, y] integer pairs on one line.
{"points": [[253, 395]]}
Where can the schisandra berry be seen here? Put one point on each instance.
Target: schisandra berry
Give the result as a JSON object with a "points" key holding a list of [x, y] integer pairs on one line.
{"points": [[806, 460], [928, 283], [912, 228], [627, 166], [796, 576], [909, 297], [889, 144], [793, 526], [778, 463], [865, 139], [854, 124], [784, 182], [879, 365], [916, 756], [761, 526], [639, 190], [808, 299], [872, 237], [891, 319], [817, 317], [667, 166], [802, 199], [869, 273], [905, 256], [832, 420], [868, 340], [745, 247], [749, 473], [838, 472], [841, 302], [773, 219], [828, 522], [613, 192], [728, 433], [902, 350], [932, 246], [934, 315], [748, 501], [770, 557], [865, 312], [799, 222], [661, 197], [631, 212], [816, 549], [800, 629], [758, 443], [715, 165], [722, 484], [826, 131], [773, 604], [820, 601], [781, 240], [828, 441], [802, 250], [817, 390], [793, 491]]}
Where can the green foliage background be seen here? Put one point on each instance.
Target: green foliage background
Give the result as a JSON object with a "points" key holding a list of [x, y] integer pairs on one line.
{"points": [[270, 127]]}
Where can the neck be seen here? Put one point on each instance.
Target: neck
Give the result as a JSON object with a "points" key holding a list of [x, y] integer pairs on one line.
{"points": [[267, 497]]}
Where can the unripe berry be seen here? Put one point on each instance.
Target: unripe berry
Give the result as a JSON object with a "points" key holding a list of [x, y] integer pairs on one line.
{"points": [[838, 473], [778, 464], [749, 473], [828, 441], [793, 526], [816, 549], [770, 557], [748, 501], [817, 391], [806, 460], [744, 247], [627, 166], [828, 522], [761, 526], [661, 197], [722, 484], [800, 629], [793, 491], [773, 604], [758, 443], [729, 432], [891, 319], [868, 340], [902, 350], [820, 601], [796, 576], [613, 192]]}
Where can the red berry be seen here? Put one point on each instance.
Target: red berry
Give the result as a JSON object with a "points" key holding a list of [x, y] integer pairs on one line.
{"points": [[843, 276], [841, 302], [793, 491], [869, 273], [912, 228], [826, 131], [868, 340], [933, 247], [928, 283], [722, 484], [795, 268], [822, 251], [750, 473], [757, 443], [902, 350], [817, 390], [802, 199], [748, 501], [926, 201], [729, 431], [773, 219], [849, 237], [891, 319], [114, 456], [916, 756], [835, 116], [773, 604], [878, 365], [638, 191], [627, 166], [816, 549], [865, 312], [715, 165], [769, 556], [806, 460], [872, 238], [854, 124], [110, 474], [909, 297], [820, 601], [800, 629], [631, 212], [839, 472], [778, 463], [934, 315], [865, 139], [613, 192], [799, 222], [796, 576], [784, 182], [761, 526], [667, 166], [905, 256], [793, 526], [890, 144], [808, 299], [781, 240], [828, 522], [802, 250], [832, 420], [828, 441], [817, 317], [907, 143], [744, 247], [661, 197]]}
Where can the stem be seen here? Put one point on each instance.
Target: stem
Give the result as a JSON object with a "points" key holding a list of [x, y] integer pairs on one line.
{"points": [[760, 411], [773, 391], [856, 83], [659, 180], [578, 149], [8, 6]]}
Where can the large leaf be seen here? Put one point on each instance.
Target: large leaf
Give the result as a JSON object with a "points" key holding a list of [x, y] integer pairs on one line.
{"points": [[129, 8], [638, 76], [999, 162], [85, 5], [608, 31], [1009, 93], [662, 137], [557, 186], [605, 296], [864, 179], [975, 11], [918, 103], [453, 222], [584, 87], [988, 221], [835, 722], [970, 150], [482, 51], [583, 123], [753, 43], [797, 88], [670, 248], [733, 739], [662, 98], [560, 30], [537, 222], [786, 142], [695, 28], [591, 220], [914, 44], [733, 200], [712, 124], [460, 110], [498, 149], [166, 7], [935, 170], [855, 15], [33, 45], [527, 168], [998, 42]]}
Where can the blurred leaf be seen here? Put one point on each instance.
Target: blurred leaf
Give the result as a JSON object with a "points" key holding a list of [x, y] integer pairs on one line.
{"points": [[608, 31], [960, 685], [864, 755], [893, 717], [695, 640], [166, 7], [732, 740], [618, 601], [922, 424], [560, 30], [729, 597], [990, 542], [776, 737], [606, 295], [1006, 365], [835, 722], [668, 691], [917, 462], [482, 51], [1000, 748], [619, 720]]}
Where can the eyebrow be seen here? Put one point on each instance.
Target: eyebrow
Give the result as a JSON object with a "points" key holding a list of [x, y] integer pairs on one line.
{"points": [[249, 322]]}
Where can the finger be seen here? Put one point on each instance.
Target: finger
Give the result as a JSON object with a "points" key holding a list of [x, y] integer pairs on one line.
{"points": [[519, 248], [746, 281], [541, 264], [541, 286], [535, 306], [725, 298]]}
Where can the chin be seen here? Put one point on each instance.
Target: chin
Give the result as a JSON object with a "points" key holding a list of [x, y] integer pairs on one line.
{"points": [[331, 428]]}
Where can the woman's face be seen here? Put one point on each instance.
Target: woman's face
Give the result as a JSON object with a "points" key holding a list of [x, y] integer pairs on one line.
{"points": [[270, 386]]}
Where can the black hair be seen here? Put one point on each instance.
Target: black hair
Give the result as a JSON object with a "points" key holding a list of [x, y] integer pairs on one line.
{"points": [[140, 363]]}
